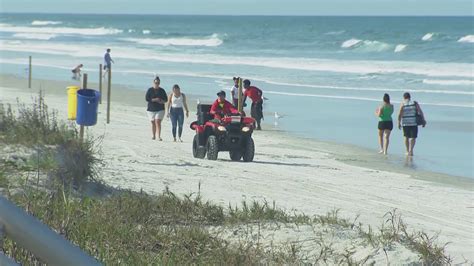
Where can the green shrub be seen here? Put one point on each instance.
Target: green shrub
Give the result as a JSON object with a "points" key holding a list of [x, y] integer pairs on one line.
{"points": [[36, 127]]}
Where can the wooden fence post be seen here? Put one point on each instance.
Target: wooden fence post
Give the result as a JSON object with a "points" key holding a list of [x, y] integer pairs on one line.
{"points": [[100, 83], [109, 84], [81, 129], [29, 73]]}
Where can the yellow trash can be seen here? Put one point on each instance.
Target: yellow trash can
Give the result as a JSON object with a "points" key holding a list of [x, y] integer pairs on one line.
{"points": [[72, 102]]}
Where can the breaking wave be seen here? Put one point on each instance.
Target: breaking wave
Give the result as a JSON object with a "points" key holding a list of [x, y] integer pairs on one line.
{"points": [[400, 48], [59, 30], [34, 36], [212, 40], [427, 37], [45, 22], [366, 45], [467, 38]]}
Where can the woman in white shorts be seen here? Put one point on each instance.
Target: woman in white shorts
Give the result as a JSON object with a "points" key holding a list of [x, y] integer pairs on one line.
{"points": [[156, 98]]}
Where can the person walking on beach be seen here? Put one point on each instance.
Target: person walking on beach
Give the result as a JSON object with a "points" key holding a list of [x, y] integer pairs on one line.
{"points": [[222, 107], [77, 72], [385, 126], [156, 98], [407, 117], [255, 94], [176, 103], [107, 61]]}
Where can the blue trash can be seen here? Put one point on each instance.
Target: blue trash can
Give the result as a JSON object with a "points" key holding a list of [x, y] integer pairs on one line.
{"points": [[87, 103]]}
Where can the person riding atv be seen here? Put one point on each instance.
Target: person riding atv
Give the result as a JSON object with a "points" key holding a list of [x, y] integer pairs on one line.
{"points": [[222, 107], [228, 131]]}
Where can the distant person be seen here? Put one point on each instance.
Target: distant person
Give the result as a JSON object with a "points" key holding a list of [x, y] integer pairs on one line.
{"points": [[234, 92], [407, 117], [385, 126], [107, 61], [176, 103], [222, 107], [156, 98], [77, 72], [255, 94]]}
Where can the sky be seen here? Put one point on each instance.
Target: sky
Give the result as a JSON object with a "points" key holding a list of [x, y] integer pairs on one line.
{"points": [[246, 7]]}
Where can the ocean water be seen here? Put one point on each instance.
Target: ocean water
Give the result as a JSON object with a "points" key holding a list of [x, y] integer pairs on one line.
{"points": [[324, 76]]}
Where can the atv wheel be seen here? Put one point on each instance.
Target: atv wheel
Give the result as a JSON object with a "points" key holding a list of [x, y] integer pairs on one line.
{"points": [[249, 151], [198, 151], [212, 148], [235, 155]]}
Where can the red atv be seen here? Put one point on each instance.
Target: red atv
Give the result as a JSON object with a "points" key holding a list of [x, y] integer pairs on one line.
{"points": [[232, 133]]}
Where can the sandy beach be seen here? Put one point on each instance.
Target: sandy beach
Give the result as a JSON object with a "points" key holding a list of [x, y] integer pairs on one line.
{"points": [[298, 174]]}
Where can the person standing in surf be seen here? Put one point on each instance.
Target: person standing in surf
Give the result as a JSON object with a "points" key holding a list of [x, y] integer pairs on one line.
{"points": [[385, 126]]}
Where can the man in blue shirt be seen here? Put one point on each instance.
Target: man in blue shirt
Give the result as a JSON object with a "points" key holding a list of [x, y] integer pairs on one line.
{"points": [[107, 61]]}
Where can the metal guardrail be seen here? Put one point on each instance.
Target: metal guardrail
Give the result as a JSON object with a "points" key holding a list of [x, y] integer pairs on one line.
{"points": [[36, 237], [6, 261]]}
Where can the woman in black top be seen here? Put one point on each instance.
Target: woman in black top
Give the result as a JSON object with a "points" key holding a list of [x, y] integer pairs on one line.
{"points": [[156, 98]]}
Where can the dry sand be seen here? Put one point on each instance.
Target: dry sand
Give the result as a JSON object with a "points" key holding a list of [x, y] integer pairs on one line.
{"points": [[297, 174]]}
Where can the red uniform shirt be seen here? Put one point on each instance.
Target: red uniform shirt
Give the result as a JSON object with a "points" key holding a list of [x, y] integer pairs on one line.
{"points": [[227, 108], [254, 93]]}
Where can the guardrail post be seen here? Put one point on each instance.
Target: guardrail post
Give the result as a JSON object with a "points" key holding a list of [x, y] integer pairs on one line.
{"points": [[31, 234], [4, 260]]}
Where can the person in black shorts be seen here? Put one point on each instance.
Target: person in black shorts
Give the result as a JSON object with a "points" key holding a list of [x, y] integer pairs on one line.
{"points": [[384, 113], [407, 117]]}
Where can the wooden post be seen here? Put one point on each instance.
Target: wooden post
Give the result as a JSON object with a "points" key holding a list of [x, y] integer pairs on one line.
{"points": [[108, 92], [29, 74], [239, 105], [81, 129], [84, 81], [100, 83]]}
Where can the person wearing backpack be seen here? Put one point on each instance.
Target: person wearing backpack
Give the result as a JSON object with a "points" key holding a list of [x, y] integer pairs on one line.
{"points": [[410, 117]]}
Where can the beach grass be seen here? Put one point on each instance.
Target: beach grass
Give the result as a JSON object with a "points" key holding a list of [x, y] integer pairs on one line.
{"points": [[53, 145], [136, 228]]}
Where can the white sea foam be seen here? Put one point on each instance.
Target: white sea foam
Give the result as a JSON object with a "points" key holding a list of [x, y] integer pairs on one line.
{"points": [[335, 32], [350, 43], [346, 88], [427, 37], [59, 30], [131, 30], [315, 86], [359, 98], [48, 63], [35, 36], [374, 46], [209, 41], [450, 82], [325, 65], [45, 22], [146, 32], [366, 45], [400, 48], [467, 38]]}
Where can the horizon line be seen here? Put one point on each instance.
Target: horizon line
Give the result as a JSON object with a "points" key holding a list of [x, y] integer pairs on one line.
{"points": [[251, 15]]}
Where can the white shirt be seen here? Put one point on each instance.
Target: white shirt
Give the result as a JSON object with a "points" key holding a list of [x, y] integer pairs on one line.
{"points": [[235, 91], [177, 102]]}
